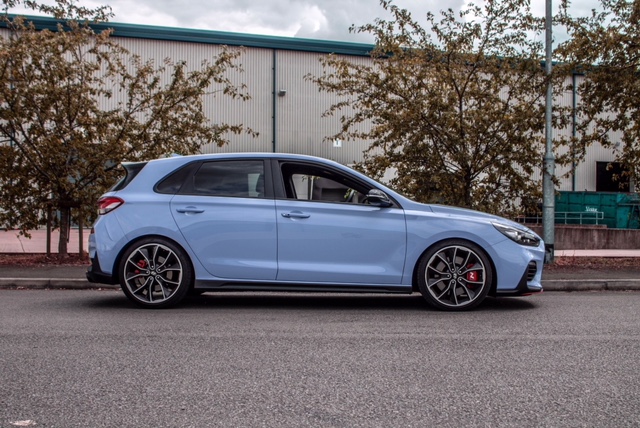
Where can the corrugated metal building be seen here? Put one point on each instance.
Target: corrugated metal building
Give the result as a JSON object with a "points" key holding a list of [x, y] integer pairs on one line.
{"points": [[285, 108]]}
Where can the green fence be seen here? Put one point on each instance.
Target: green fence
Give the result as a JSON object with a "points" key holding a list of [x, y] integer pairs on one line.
{"points": [[614, 210]]}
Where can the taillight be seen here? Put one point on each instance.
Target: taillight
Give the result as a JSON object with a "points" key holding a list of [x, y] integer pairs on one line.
{"points": [[108, 204]]}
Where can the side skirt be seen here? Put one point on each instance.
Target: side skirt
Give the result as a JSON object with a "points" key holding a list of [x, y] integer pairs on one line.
{"points": [[321, 288]]}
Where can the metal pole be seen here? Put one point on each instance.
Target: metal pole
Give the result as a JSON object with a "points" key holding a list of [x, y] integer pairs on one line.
{"points": [[548, 190]]}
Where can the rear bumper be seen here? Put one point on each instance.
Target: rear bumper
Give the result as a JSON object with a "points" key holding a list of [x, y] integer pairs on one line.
{"points": [[95, 275]]}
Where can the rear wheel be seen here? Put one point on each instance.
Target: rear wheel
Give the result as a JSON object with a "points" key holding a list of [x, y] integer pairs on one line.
{"points": [[454, 275], [155, 273]]}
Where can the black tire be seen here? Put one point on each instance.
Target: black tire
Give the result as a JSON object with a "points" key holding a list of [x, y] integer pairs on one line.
{"points": [[455, 275], [155, 273]]}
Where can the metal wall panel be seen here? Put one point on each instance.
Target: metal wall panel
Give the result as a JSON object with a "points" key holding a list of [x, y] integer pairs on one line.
{"points": [[256, 75], [300, 125], [584, 178], [255, 113], [562, 99]]}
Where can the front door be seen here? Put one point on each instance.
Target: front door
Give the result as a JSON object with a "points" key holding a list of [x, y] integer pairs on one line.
{"points": [[327, 233]]}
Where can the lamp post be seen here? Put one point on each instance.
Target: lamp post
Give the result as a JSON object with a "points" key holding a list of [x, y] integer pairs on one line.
{"points": [[548, 190]]}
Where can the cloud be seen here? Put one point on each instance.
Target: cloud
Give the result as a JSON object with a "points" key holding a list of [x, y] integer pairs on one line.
{"points": [[323, 20], [313, 19], [333, 18]]}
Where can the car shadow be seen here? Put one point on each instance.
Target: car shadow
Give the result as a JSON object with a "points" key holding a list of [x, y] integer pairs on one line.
{"points": [[316, 301], [323, 301], [311, 301], [507, 304]]}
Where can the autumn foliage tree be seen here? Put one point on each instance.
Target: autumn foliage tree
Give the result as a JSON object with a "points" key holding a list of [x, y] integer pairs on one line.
{"points": [[605, 47], [456, 108], [74, 105]]}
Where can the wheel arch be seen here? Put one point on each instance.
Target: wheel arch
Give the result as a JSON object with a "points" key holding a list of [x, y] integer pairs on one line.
{"points": [[116, 264], [494, 278]]}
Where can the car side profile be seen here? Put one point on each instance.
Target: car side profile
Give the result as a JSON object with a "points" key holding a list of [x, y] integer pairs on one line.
{"points": [[284, 222]]}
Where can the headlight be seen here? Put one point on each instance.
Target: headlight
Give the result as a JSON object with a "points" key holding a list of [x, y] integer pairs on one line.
{"points": [[522, 237]]}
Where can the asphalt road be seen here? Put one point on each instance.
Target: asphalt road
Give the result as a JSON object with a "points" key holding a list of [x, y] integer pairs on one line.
{"points": [[90, 359]]}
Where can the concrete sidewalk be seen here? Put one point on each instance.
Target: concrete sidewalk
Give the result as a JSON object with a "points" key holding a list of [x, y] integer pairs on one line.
{"points": [[597, 253]]}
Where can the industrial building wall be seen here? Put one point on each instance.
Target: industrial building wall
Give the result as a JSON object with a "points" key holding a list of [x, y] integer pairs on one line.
{"points": [[256, 74], [585, 176], [300, 125], [287, 110]]}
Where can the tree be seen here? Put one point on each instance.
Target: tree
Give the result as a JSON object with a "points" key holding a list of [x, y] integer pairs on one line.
{"points": [[74, 105], [605, 46], [457, 110]]}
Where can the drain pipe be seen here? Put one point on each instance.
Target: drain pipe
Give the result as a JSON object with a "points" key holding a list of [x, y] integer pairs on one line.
{"points": [[274, 96]]}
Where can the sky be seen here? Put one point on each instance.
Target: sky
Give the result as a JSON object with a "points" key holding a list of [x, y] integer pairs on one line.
{"points": [[311, 19]]}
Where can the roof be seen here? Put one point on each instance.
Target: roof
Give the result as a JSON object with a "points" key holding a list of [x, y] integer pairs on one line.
{"points": [[215, 37]]}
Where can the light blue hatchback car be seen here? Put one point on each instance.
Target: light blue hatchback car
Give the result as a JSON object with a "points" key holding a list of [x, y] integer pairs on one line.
{"points": [[280, 222]]}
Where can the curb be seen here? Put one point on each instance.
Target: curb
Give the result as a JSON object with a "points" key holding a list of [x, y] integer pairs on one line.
{"points": [[591, 285], [547, 285], [52, 284]]}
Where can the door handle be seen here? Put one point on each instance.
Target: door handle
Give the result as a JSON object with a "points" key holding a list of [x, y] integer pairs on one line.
{"points": [[190, 210], [296, 214]]}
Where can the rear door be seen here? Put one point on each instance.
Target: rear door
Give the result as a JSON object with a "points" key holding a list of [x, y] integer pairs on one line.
{"points": [[226, 212]]}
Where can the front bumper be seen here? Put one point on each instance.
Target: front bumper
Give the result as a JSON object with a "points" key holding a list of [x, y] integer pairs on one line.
{"points": [[527, 284]]}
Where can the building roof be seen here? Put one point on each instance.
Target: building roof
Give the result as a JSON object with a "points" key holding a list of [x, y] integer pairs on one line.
{"points": [[216, 37]]}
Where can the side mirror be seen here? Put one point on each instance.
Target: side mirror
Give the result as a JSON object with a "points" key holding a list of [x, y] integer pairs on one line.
{"points": [[378, 198]]}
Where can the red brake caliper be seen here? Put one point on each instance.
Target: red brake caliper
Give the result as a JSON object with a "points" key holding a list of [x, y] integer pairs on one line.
{"points": [[142, 264], [472, 275]]}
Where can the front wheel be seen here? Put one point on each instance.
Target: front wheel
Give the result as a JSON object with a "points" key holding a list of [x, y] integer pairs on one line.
{"points": [[454, 275], [155, 273]]}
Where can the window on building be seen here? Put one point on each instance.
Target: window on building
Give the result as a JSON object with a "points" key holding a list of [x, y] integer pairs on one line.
{"points": [[610, 177]]}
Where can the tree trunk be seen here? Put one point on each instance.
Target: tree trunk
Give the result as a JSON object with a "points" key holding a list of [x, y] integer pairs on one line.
{"points": [[48, 230], [64, 231], [80, 237]]}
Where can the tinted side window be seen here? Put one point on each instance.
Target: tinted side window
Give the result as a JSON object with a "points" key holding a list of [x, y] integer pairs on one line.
{"points": [[241, 178], [313, 183], [173, 183], [131, 169], [315, 188]]}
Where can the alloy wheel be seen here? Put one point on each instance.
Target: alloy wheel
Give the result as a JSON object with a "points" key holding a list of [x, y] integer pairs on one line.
{"points": [[456, 276], [153, 273]]}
